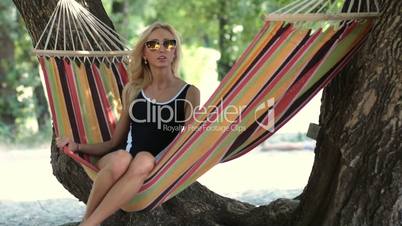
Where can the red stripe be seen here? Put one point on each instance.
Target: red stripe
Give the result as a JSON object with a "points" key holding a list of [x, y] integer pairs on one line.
{"points": [[349, 28], [75, 101], [49, 93], [78, 159], [107, 110], [123, 73]]}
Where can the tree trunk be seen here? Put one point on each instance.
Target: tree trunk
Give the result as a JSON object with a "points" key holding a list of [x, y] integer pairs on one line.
{"points": [[356, 177], [357, 173]]}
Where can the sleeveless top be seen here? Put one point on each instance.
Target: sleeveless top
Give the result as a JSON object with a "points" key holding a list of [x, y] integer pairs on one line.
{"points": [[155, 124]]}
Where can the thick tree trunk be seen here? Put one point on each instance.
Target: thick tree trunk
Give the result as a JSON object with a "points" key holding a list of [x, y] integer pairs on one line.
{"points": [[357, 173], [356, 178]]}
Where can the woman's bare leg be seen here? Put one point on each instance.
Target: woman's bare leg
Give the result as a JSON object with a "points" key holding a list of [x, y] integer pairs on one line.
{"points": [[124, 189], [112, 166]]}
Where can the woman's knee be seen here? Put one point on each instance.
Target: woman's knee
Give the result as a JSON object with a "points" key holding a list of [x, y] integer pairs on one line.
{"points": [[118, 164], [142, 164]]}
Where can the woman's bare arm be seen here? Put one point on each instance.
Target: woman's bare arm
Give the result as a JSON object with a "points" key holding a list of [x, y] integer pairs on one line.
{"points": [[119, 135]]}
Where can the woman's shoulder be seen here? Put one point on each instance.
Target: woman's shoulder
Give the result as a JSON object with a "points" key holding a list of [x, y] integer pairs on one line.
{"points": [[192, 88], [193, 94], [192, 91]]}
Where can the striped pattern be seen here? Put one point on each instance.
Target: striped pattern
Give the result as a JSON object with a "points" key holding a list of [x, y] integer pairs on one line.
{"points": [[84, 98], [280, 71]]}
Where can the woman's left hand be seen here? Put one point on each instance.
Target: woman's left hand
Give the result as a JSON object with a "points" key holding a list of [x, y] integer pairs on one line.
{"points": [[61, 142]]}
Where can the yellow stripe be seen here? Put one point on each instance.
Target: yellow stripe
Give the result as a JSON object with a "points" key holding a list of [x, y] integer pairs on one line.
{"points": [[63, 111], [93, 120]]}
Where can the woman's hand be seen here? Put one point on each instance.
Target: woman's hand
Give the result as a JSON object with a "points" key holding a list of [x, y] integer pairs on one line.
{"points": [[61, 142]]}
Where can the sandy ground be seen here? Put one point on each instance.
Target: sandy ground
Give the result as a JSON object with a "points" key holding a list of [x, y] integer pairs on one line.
{"points": [[31, 195]]}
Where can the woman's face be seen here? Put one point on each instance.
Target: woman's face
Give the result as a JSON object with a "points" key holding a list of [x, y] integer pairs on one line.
{"points": [[160, 48]]}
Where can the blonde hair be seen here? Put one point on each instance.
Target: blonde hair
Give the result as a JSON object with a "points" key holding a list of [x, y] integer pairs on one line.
{"points": [[139, 72]]}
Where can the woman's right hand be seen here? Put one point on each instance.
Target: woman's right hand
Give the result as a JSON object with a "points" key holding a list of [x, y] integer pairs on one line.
{"points": [[61, 142]]}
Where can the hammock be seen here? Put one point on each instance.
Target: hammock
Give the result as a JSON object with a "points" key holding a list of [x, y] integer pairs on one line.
{"points": [[284, 66]]}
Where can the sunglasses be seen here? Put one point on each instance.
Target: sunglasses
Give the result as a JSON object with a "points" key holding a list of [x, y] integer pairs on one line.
{"points": [[153, 45]]}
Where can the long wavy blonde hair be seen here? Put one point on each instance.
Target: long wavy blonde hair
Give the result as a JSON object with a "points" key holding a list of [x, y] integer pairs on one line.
{"points": [[139, 73]]}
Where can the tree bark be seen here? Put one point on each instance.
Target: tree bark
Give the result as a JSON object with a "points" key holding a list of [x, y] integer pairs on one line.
{"points": [[357, 173]]}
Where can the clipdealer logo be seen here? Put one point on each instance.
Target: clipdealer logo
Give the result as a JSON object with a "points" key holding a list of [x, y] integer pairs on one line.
{"points": [[213, 114]]}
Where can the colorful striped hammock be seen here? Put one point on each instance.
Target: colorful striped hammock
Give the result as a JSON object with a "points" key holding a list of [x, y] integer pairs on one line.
{"points": [[279, 72]]}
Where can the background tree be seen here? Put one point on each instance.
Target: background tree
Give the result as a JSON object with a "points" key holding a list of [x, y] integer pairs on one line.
{"points": [[357, 173], [7, 56], [17, 81]]}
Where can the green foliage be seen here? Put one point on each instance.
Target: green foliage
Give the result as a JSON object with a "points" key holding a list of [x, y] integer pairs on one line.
{"points": [[227, 26], [19, 77]]}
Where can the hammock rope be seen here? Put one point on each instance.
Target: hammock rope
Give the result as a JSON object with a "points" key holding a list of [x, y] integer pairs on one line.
{"points": [[280, 71], [323, 10], [73, 20]]}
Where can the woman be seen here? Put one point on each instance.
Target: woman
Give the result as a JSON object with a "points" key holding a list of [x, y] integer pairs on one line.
{"points": [[155, 88]]}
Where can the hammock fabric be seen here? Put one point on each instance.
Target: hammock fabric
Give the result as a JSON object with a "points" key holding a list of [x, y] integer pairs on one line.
{"points": [[84, 98], [280, 71]]}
